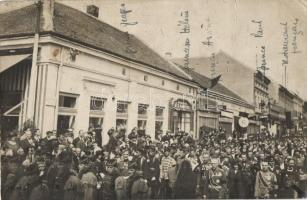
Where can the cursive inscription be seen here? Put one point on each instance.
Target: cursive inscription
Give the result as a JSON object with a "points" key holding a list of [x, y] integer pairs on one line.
{"points": [[259, 32], [212, 65], [209, 36], [186, 58], [285, 59], [124, 16], [184, 22], [263, 67], [296, 33]]}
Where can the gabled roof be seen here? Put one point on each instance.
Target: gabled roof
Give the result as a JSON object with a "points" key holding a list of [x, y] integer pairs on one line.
{"points": [[205, 83], [79, 27]]}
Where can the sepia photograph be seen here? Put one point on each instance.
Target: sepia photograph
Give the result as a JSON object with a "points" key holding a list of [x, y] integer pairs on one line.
{"points": [[153, 99]]}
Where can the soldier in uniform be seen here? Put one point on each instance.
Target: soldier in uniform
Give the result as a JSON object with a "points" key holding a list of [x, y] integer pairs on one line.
{"points": [[217, 181], [265, 182]]}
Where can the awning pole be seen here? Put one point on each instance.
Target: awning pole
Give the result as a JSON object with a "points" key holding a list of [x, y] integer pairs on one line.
{"points": [[30, 110]]}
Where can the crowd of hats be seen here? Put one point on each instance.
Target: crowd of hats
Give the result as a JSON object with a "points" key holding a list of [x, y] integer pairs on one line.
{"points": [[28, 149]]}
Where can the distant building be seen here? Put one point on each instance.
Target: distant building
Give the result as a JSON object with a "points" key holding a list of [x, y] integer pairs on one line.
{"points": [[250, 85], [219, 107]]}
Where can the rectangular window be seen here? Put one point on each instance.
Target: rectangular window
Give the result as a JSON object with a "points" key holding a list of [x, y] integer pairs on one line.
{"points": [[121, 124], [142, 109], [95, 122], [158, 128], [142, 125], [122, 107], [97, 103], [67, 112], [65, 122], [67, 101], [159, 111]]}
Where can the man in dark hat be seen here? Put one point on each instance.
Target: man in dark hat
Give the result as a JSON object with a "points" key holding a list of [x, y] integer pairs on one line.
{"points": [[28, 141], [235, 182], [151, 171], [112, 144], [59, 173], [80, 141], [107, 190], [139, 189]]}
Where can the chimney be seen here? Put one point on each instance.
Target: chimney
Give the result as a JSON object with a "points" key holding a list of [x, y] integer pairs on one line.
{"points": [[48, 11], [92, 10]]}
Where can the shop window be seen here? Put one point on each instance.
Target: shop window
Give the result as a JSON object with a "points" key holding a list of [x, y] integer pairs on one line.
{"points": [[95, 122], [142, 124], [158, 128], [121, 124], [65, 122], [97, 103]]}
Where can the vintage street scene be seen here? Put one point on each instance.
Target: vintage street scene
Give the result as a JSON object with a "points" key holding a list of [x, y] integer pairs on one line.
{"points": [[153, 99]]}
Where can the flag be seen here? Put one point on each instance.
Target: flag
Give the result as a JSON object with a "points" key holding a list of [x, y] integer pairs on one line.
{"points": [[214, 81]]}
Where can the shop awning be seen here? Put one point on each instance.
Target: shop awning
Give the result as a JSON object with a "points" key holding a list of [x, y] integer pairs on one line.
{"points": [[9, 61]]}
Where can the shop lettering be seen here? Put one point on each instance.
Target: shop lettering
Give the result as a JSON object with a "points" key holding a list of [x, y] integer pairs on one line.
{"points": [[124, 16], [259, 32]]}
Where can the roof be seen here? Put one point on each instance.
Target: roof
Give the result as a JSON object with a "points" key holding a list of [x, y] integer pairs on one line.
{"points": [[205, 83], [77, 26]]}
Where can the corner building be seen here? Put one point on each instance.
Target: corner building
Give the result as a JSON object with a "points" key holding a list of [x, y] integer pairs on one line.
{"points": [[65, 69]]}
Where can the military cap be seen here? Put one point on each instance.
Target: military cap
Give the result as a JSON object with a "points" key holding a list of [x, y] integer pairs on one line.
{"points": [[111, 162]]}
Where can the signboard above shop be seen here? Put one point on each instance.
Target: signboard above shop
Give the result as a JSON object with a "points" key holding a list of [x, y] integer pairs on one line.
{"points": [[182, 105]]}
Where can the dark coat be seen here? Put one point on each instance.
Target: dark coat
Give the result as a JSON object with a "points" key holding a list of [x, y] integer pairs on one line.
{"points": [[235, 183]]}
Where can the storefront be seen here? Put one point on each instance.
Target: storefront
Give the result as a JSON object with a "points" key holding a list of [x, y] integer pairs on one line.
{"points": [[15, 70], [226, 122], [181, 116]]}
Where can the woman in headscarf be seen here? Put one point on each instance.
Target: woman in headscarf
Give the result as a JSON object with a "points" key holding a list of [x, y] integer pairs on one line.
{"points": [[185, 186]]}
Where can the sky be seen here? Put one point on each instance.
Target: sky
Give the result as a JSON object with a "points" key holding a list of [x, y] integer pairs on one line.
{"points": [[229, 25]]}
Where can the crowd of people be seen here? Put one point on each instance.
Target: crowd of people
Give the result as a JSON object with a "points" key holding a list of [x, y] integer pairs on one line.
{"points": [[135, 166]]}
